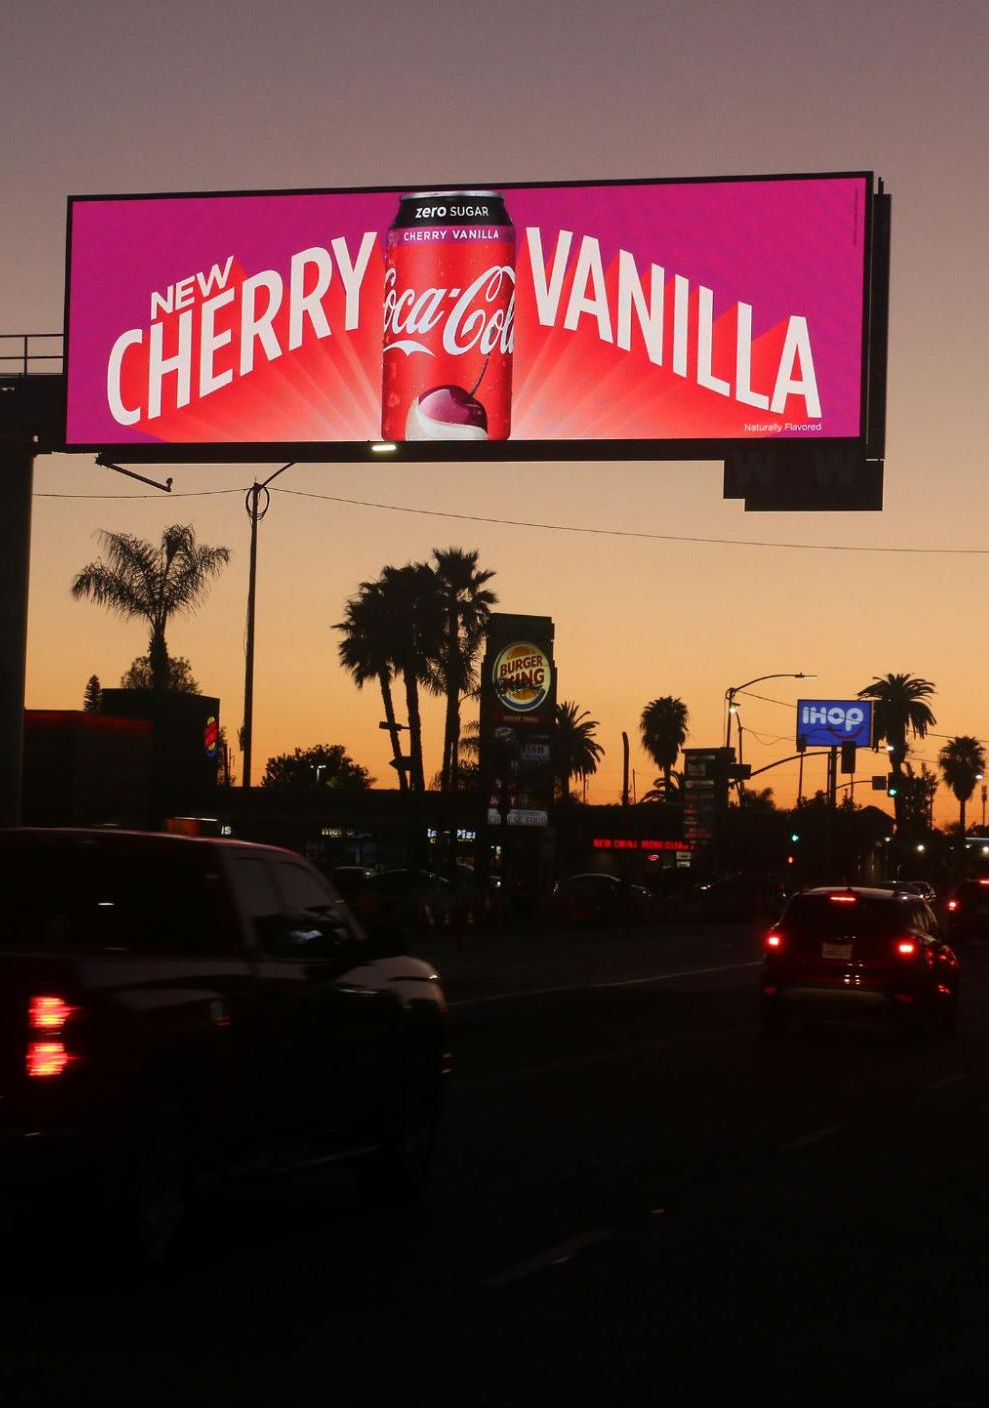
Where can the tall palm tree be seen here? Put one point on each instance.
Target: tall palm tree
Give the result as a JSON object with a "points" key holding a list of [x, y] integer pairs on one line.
{"points": [[575, 749], [901, 709], [962, 761], [663, 729], [135, 578], [368, 650], [466, 606], [413, 600]]}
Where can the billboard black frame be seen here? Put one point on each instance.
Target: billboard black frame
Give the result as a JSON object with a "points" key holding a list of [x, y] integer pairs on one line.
{"points": [[508, 451]]}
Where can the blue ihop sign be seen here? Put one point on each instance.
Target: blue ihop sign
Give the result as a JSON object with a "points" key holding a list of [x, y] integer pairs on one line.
{"points": [[826, 723]]}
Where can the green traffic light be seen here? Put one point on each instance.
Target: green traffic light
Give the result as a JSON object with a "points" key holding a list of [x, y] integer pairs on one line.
{"points": [[794, 836]]}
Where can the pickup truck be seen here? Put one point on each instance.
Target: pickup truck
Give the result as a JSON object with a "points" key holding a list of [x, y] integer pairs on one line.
{"points": [[176, 1010]]}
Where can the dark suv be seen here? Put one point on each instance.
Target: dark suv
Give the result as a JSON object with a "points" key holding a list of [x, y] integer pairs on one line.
{"points": [[174, 1009], [858, 951], [968, 912]]}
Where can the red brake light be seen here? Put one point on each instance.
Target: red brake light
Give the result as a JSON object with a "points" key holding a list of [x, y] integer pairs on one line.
{"points": [[953, 905], [984, 882], [906, 947], [47, 1058], [774, 940], [843, 899], [48, 1014]]}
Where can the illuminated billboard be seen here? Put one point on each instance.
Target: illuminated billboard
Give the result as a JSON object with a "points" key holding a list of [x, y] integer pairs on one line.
{"points": [[473, 322], [827, 723]]}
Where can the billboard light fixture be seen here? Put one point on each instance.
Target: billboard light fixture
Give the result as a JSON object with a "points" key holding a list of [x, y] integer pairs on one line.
{"points": [[383, 447]]}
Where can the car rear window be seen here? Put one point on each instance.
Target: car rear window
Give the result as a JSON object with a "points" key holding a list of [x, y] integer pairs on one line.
{"points": [[82, 899], [824, 914]]}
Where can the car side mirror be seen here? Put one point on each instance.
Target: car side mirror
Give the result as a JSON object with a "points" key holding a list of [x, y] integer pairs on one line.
{"points": [[304, 938]]}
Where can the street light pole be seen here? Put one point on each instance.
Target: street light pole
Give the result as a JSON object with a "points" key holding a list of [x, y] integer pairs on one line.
{"points": [[738, 689]]}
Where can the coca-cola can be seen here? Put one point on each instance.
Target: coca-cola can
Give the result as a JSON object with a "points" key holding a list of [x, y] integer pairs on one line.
{"points": [[449, 318]]}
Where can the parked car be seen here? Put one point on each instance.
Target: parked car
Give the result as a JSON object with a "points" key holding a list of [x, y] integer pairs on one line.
{"points": [[174, 1008], [859, 951], [923, 888], [740, 898], [596, 898], [967, 911], [422, 899]]}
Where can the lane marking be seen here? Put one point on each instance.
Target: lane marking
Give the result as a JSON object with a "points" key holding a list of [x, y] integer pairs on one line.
{"points": [[590, 986], [621, 1054], [806, 1139], [554, 1257]]}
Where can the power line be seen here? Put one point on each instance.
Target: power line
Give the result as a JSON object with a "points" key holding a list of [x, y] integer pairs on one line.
{"points": [[624, 532], [191, 494], [555, 527]]}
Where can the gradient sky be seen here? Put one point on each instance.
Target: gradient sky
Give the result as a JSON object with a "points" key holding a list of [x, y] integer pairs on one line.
{"points": [[108, 97]]}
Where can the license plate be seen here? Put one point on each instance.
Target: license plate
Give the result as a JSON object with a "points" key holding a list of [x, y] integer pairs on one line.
{"points": [[836, 950]]}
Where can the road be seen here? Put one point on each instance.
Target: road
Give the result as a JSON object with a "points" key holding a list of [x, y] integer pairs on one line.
{"points": [[636, 1200]]}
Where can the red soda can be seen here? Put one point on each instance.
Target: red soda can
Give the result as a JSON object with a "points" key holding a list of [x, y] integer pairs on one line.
{"points": [[449, 318]]}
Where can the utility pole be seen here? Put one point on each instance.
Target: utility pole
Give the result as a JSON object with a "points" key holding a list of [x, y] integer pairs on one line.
{"points": [[624, 768], [255, 513]]}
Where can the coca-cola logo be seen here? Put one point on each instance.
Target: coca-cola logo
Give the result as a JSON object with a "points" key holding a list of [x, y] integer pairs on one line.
{"points": [[480, 316]]}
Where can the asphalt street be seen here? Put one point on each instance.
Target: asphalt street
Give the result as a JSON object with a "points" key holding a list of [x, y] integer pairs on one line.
{"points": [[636, 1200]]}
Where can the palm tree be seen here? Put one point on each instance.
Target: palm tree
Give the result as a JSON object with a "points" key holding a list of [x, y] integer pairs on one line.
{"points": [[575, 750], [466, 606], [136, 578], [663, 729], [901, 709], [412, 598], [962, 761], [368, 650]]}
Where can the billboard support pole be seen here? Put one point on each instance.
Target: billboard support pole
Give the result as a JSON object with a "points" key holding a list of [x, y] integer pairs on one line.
{"points": [[17, 469]]}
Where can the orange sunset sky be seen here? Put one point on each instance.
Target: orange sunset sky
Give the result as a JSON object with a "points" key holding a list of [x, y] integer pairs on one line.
{"points": [[108, 97]]}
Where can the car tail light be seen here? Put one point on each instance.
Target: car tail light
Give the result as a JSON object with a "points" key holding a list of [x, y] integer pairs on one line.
{"points": [[843, 899], [47, 1058], [48, 1014], [984, 882], [906, 948], [774, 940], [953, 905]]}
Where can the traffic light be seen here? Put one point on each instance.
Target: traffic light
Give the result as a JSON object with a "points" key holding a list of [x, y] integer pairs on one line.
{"points": [[794, 836], [848, 757], [892, 785]]}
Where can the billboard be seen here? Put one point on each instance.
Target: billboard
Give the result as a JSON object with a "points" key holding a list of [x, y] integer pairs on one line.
{"points": [[518, 706], [827, 723], [509, 321]]}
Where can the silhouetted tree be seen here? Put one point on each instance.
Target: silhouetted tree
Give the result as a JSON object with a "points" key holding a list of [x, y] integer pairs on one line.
{"points": [[327, 766], [178, 676], [466, 604], [92, 699], [370, 647], [962, 761], [663, 729], [901, 711], [139, 579], [575, 750]]}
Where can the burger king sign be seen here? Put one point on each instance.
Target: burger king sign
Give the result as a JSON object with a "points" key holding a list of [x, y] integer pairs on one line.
{"points": [[522, 677]]}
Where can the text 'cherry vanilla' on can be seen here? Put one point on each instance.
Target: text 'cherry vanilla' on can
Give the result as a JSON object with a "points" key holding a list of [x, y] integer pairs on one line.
{"points": [[449, 318]]}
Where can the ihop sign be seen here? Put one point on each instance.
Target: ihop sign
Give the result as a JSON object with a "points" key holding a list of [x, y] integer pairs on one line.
{"points": [[826, 723]]}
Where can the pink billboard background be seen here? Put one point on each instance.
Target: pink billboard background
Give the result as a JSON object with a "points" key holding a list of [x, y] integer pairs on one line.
{"points": [[773, 269]]}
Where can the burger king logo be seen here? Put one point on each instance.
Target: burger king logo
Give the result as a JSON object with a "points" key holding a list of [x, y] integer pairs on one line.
{"points": [[211, 737], [521, 677]]}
